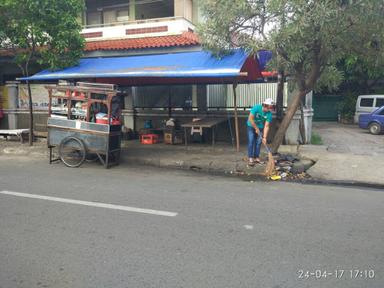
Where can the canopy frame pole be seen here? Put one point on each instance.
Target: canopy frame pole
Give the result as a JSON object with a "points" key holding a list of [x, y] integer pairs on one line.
{"points": [[234, 85], [169, 102]]}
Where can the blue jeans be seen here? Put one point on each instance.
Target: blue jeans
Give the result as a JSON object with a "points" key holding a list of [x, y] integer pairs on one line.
{"points": [[254, 142]]}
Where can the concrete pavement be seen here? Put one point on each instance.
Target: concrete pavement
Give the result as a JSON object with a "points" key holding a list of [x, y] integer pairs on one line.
{"points": [[343, 167], [222, 159], [349, 155]]}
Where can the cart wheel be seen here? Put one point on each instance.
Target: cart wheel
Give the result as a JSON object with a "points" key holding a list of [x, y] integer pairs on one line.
{"points": [[72, 151], [91, 157]]}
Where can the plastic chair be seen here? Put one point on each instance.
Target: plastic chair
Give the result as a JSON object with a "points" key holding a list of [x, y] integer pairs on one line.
{"points": [[197, 129]]}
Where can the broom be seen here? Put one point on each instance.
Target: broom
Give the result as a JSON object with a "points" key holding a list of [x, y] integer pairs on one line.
{"points": [[270, 169]]}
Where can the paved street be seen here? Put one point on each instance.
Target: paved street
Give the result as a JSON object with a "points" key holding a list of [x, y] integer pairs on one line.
{"points": [[144, 227]]}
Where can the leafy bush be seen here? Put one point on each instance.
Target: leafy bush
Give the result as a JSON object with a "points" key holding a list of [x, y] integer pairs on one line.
{"points": [[347, 106], [316, 139]]}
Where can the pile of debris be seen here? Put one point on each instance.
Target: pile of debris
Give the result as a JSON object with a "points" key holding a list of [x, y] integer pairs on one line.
{"points": [[288, 167]]}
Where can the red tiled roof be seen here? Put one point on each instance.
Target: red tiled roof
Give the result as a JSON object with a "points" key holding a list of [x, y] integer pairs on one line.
{"points": [[185, 39]]}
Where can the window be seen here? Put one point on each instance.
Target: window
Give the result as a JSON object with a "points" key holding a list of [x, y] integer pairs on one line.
{"points": [[93, 18], [379, 102], [382, 112], [154, 9], [366, 102], [107, 11], [109, 16], [122, 15]]}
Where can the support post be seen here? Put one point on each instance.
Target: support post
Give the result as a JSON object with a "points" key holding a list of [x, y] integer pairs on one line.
{"points": [[169, 103], [132, 10], [236, 118], [12, 87], [30, 114]]}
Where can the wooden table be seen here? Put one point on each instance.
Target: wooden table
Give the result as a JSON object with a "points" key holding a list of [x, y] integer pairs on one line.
{"points": [[210, 123]]}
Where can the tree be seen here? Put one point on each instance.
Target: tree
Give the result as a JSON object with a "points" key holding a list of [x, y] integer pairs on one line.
{"points": [[361, 74], [308, 37], [46, 32]]}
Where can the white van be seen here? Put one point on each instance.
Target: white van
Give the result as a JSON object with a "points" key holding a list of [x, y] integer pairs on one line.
{"points": [[367, 103]]}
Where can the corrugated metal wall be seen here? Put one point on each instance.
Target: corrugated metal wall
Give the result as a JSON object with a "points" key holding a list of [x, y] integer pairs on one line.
{"points": [[247, 94], [216, 96]]}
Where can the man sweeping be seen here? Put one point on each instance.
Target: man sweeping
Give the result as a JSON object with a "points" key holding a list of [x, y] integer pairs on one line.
{"points": [[258, 123]]}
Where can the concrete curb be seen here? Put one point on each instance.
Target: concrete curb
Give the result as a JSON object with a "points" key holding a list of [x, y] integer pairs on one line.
{"points": [[250, 175], [343, 183], [234, 168], [199, 166]]}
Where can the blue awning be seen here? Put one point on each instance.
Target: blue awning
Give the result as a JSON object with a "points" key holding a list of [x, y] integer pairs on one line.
{"points": [[177, 65]]}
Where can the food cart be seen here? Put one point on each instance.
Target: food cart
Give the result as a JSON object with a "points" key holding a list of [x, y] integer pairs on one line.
{"points": [[84, 123]]}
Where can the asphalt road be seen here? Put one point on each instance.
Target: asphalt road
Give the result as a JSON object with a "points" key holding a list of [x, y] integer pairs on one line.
{"points": [[220, 232]]}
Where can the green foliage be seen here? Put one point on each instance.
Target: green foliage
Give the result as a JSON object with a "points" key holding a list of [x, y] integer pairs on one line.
{"points": [[362, 73], [331, 78], [347, 106], [45, 31], [316, 139], [308, 37]]}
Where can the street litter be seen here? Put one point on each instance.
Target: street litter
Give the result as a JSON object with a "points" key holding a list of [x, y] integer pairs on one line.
{"points": [[275, 177]]}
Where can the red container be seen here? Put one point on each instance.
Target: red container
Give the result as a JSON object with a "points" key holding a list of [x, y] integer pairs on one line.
{"points": [[102, 120], [115, 122], [149, 139]]}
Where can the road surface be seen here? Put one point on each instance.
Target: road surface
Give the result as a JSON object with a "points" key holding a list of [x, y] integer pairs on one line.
{"points": [[141, 227]]}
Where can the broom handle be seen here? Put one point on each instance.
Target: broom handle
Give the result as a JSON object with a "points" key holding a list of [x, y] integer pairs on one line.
{"points": [[266, 146]]}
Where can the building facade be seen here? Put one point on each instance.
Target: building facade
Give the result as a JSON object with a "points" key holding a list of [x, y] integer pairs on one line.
{"points": [[115, 28]]}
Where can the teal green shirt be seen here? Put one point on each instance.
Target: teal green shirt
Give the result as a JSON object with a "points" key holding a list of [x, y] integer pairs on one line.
{"points": [[260, 117]]}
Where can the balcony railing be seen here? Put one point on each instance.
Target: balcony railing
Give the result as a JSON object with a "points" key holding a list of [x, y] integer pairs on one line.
{"points": [[138, 28], [130, 22]]}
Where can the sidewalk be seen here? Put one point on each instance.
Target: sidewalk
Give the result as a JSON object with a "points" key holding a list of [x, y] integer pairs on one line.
{"points": [[222, 159], [343, 168], [330, 166], [349, 155]]}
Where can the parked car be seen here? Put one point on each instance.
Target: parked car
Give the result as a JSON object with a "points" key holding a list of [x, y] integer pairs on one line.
{"points": [[367, 104], [373, 121]]}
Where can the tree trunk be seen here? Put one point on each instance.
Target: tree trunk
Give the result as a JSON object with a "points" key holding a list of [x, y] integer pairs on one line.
{"points": [[301, 124], [292, 108], [30, 114]]}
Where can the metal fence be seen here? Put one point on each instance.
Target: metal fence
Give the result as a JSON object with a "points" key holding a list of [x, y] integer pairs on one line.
{"points": [[247, 94], [219, 97]]}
